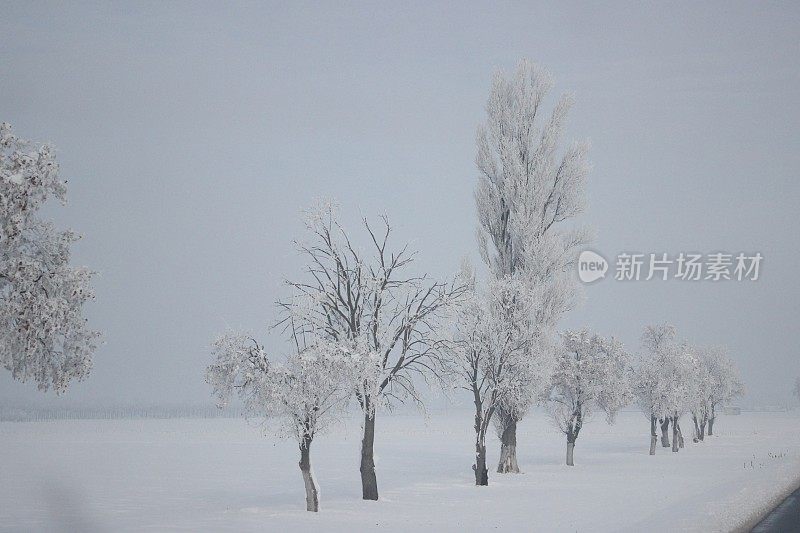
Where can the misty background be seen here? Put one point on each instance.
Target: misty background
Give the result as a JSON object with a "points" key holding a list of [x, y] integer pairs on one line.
{"points": [[193, 134]]}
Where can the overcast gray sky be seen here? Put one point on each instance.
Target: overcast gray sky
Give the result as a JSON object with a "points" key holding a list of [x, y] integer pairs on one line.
{"points": [[192, 135]]}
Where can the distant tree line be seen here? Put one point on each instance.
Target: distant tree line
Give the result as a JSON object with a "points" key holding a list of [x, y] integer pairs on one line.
{"points": [[32, 414]]}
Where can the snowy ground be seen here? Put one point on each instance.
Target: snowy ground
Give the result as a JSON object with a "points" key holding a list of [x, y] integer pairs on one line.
{"points": [[221, 474]]}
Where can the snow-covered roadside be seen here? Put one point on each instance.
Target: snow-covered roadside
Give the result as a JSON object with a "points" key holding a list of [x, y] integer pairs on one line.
{"points": [[222, 474], [773, 476], [754, 505], [738, 496]]}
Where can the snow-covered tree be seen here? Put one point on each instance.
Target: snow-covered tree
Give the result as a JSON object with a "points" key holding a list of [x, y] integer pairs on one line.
{"points": [[678, 368], [492, 337], [674, 377], [371, 306], [655, 340], [724, 384], [699, 390], [662, 382], [647, 389], [43, 333], [591, 373], [527, 188], [304, 393]]}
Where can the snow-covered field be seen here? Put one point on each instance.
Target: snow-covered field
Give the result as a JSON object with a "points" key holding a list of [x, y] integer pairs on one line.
{"points": [[222, 474]]}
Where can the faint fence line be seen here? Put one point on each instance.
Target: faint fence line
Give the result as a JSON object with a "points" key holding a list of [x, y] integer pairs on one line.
{"points": [[33, 414]]}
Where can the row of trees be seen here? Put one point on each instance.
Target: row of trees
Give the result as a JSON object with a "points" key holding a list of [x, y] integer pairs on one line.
{"points": [[459, 335], [674, 378], [592, 373], [395, 325], [366, 325]]}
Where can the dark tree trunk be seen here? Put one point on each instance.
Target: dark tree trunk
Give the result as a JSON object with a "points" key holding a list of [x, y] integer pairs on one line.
{"points": [[312, 493], [696, 428], [481, 425], [703, 423], [665, 432], [675, 434], [573, 430], [711, 421], [508, 445], [369, 482], [481, 472], [653, 435]]}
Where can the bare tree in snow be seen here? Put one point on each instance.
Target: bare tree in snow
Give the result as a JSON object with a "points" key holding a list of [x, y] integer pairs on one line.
{"points": [[492, 337], [304, 393], [43, 334], [370, 305], [527, 189], [591, 373]]}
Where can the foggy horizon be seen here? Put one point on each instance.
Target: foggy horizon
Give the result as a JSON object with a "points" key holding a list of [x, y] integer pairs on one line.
{"points": [[192, 141]]}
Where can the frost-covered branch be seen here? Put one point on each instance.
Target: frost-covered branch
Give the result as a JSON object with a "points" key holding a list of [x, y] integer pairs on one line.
{"points": [[489, 353], [591, 373], [303, 394], [43, 333], [373, 308], [527, 189]]}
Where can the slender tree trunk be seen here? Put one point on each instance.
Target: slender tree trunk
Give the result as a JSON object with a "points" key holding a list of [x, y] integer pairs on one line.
{"points": [[703, 423], [653, 435], [481, 472], [508, 445], [665, 432], [481, 425], [680, 433], [312, 492], [369, 482], [696, 428], [573, 429], [674, 434], [711, 421]]}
